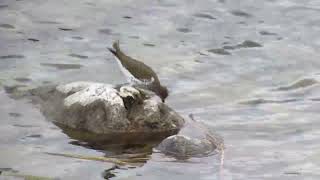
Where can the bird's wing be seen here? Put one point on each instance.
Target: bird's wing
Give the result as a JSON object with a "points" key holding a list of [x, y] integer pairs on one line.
{"points": [[141, 71], [147, 82], [137, 69]]}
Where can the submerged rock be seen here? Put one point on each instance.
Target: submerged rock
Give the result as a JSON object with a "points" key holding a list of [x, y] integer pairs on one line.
{"points": [[194, 140], [181, 146]]}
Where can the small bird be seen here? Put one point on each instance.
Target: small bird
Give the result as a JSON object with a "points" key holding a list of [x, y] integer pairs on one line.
{"points": [[138, 72]]}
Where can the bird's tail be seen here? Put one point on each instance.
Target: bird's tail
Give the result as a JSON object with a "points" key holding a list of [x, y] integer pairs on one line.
{"points": [[116, 49], [112, 51], [116, 46]]}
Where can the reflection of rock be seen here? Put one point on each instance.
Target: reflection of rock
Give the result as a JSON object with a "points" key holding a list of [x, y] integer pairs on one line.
{"points": [[102, 109]]}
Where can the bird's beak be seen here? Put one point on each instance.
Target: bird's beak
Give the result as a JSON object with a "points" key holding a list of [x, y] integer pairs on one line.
{"points": [[163, 101]]}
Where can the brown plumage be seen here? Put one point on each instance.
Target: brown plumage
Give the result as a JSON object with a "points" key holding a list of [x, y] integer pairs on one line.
{"points": [[140, 71]]}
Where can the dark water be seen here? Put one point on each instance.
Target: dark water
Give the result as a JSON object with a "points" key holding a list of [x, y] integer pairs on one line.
{"points": [[249, 70]]}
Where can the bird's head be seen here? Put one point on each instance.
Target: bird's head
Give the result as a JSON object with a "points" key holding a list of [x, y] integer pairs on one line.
{"points": [[162, 93]]}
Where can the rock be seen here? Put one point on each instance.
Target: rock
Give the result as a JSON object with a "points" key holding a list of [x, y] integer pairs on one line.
{"points": [[181, 147], [194, 140], [103, 109], [102, 114], [97, 108]]}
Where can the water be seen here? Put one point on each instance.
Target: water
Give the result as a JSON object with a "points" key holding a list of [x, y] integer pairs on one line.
{"points": [[261, 96]]}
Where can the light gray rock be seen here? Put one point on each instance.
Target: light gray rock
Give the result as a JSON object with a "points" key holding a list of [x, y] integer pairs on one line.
{"points": [[93, 107], [103, 109]]}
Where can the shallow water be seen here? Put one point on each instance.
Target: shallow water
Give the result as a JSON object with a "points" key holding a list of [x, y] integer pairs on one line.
{"points": [[261, 96]]}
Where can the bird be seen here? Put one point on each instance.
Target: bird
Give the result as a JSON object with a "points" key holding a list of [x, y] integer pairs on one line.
{"points": [[139, 73]]}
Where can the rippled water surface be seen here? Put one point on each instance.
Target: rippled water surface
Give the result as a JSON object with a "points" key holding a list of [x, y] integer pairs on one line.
{"points": [[248, 69]]}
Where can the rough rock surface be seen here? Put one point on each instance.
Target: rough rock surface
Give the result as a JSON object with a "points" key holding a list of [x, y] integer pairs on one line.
{"points": [[101, 108], [194, 140], [182, 146]]}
